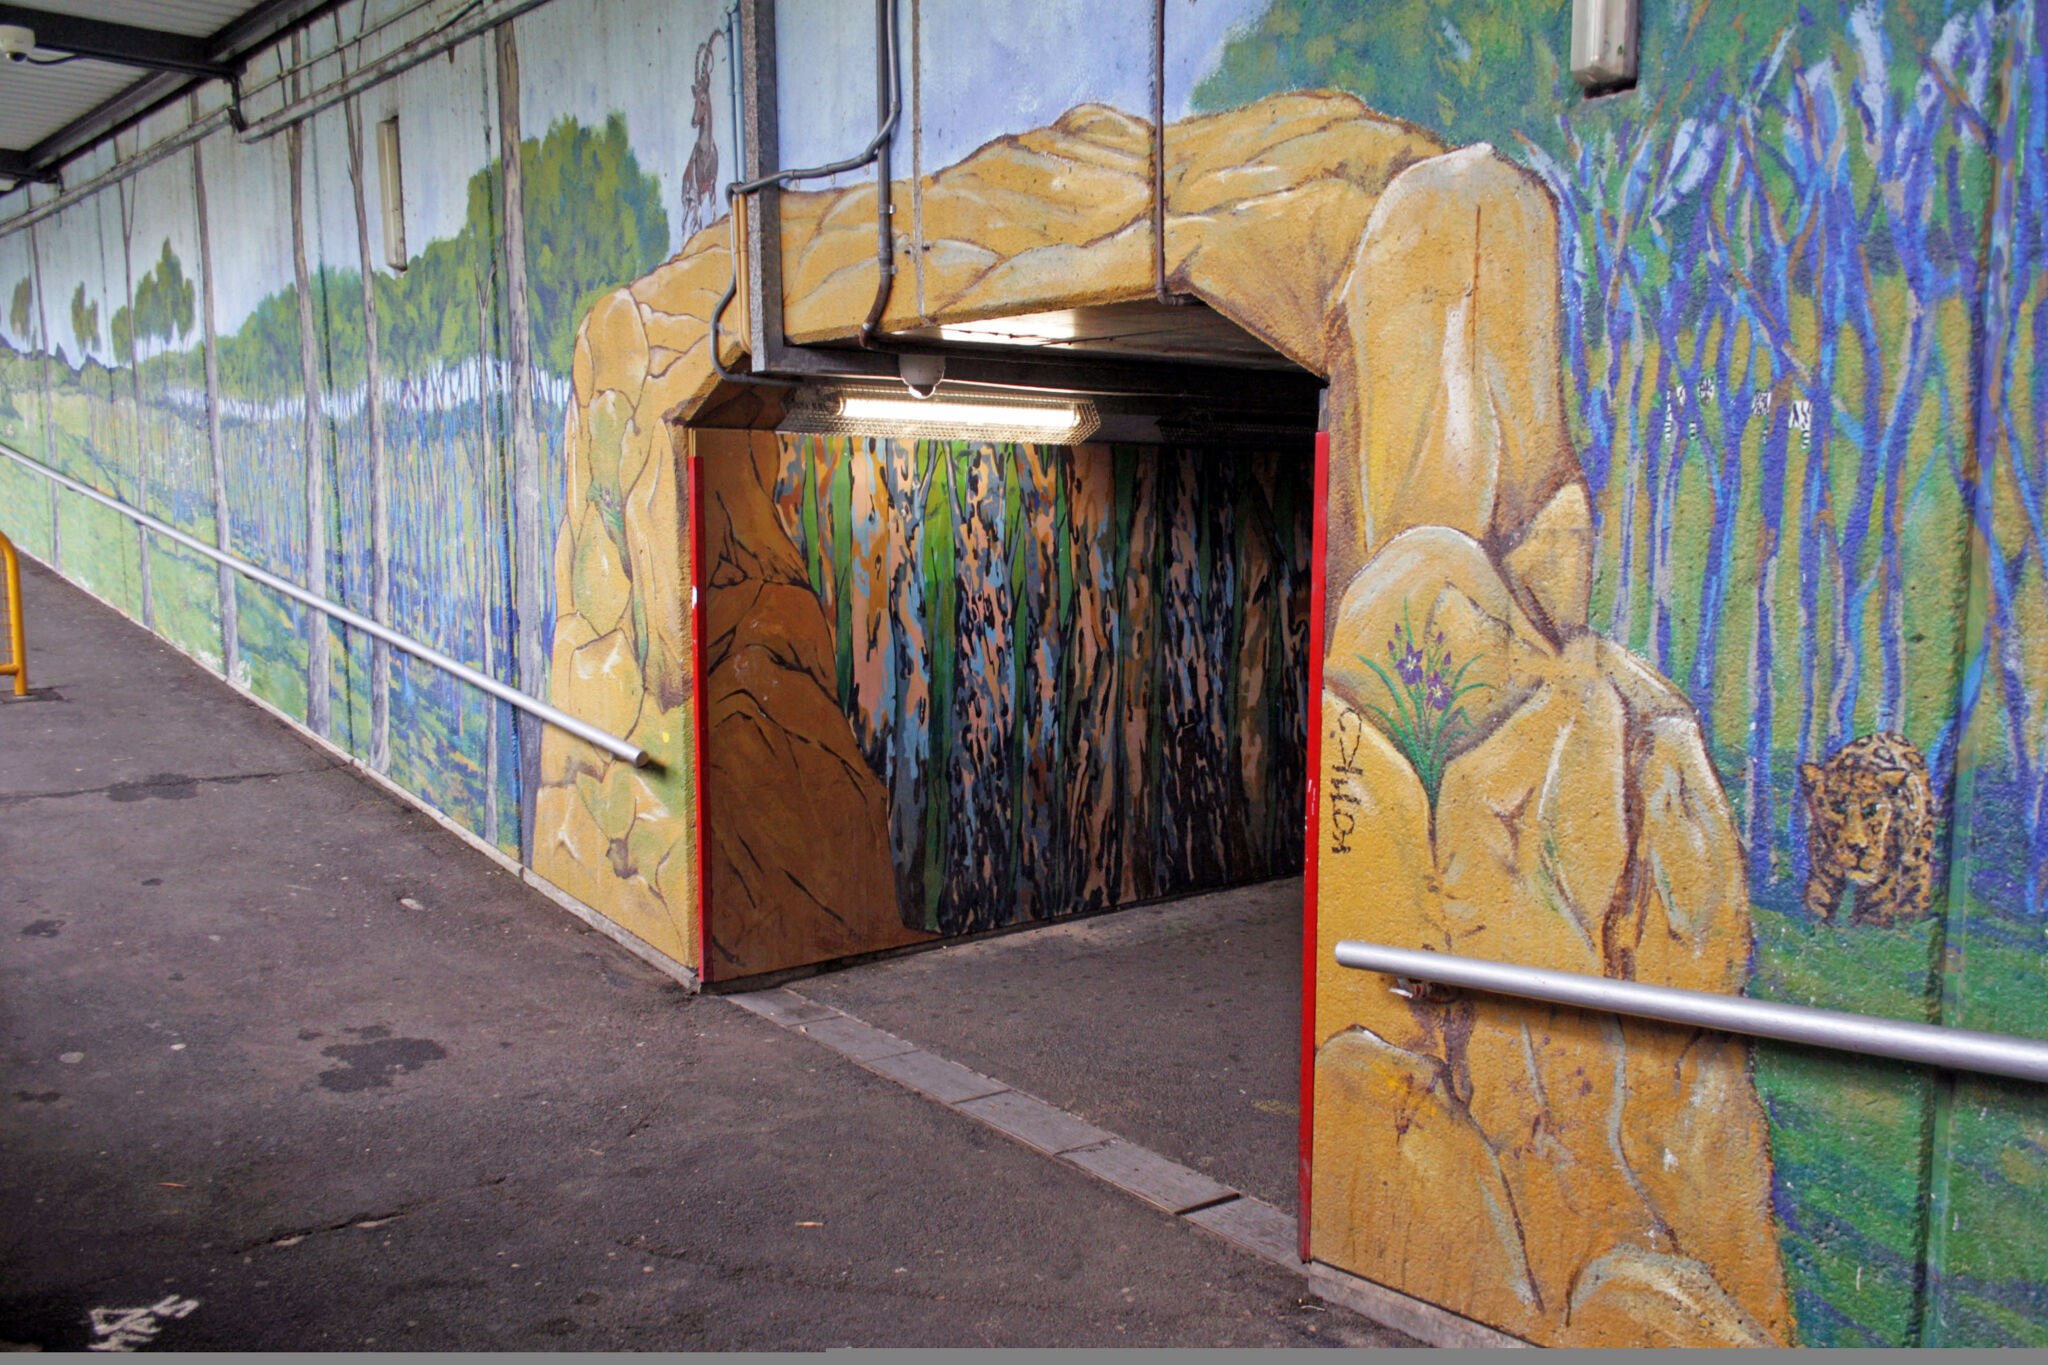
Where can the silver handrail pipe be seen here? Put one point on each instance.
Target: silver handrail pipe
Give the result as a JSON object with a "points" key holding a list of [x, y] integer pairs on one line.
{"points": [[1951, 1049], [484, 682]]}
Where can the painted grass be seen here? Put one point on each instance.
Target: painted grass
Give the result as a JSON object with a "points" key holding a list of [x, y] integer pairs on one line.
{"points": [[1861, 1194]]}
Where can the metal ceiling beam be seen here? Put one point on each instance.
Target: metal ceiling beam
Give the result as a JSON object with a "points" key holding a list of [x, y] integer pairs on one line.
{"points": [[262, 24], [15, 166], [125, 44]]}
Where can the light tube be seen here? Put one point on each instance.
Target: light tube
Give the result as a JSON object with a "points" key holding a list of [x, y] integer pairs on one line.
{"points": [[891, 414], [926, 411]]}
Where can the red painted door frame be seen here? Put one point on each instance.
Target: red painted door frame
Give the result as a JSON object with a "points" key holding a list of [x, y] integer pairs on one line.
{"points": [[1311, 823], [699, 706]]}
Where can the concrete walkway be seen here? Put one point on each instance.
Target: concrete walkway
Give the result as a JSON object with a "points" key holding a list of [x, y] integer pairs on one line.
{"points": [[285, 1065], [1175, 1025]]}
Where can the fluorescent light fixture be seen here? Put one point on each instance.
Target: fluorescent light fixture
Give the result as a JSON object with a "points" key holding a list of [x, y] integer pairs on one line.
{"points": [[1603, 44], [928, 410], [891, 414], [391, 184]]}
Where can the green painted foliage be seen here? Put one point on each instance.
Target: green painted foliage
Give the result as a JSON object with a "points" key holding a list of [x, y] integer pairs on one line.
{"points": [[1455, 67], [21, 313], [85, 321], [433, 313], [163, 309], [594, 221]]}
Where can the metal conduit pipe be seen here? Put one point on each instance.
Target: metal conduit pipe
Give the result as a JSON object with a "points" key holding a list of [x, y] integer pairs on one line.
{"points": [[1936, 1045], [562, 720], [889, 108], [459, 28]]}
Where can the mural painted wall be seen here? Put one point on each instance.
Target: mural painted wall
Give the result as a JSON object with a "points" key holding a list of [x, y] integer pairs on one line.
{"points": [[1679, 606], [1685, 587], [1073, 678], [224, 339], [1786, 741]]}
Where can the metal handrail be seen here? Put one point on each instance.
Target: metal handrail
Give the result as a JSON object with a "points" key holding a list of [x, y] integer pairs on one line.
{"points": [[562, 720], [17, 633], [1936, 1045]]}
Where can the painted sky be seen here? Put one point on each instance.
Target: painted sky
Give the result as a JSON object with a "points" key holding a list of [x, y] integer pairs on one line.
{"points": [[588, 59], [972, 60]]}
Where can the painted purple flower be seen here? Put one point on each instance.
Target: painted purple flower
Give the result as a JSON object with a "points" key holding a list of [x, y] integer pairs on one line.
{"points": [[1439, 693], [1410, 666]]}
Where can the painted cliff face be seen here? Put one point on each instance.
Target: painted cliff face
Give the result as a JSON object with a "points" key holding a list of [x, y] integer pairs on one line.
{"points": [[1793, 380]]}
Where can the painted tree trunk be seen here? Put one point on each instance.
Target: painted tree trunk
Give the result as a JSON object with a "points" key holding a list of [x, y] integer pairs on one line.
{"points": [[906, 473], [1139, 555], [319, 669], [1193, 750], [1756, 775], [529, 536], [380, 472], [1622, 625], [1092, 820], [491, 472], [145, 579], [49, 400], [224, 577], [1040, 554], [978, 787]]}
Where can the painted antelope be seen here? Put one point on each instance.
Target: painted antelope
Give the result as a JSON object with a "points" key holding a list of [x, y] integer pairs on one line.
{"points": [[700, 177]]}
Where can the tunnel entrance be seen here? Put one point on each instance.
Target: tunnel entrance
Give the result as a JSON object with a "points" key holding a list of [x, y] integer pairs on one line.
{"points": [[957, 684], [957, 687]]}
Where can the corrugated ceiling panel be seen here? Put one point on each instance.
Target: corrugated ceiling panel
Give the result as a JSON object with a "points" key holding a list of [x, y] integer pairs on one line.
{"points": [[35, 101], [190, 17]]}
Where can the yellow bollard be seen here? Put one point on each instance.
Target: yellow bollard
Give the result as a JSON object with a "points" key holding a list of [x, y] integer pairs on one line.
{"points": [[17, 659]]}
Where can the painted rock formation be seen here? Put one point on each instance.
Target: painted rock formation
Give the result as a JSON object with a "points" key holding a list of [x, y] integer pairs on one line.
{"points": [[1568, 1178], [618, 838], [1045, 219], [799, 831], [1574, 1179]]}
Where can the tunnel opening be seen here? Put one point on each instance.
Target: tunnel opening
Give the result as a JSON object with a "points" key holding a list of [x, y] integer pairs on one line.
{"points": [[957, 686]]}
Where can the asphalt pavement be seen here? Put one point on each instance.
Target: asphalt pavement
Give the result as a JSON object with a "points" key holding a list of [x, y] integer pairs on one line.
{"points": [[287, 1065]]}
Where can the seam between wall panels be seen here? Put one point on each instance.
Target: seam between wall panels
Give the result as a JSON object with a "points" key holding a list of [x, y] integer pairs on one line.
{"points": [[917, 151]]}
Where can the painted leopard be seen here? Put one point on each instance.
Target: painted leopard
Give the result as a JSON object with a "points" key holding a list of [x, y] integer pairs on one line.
{"points": [[1872, 811]]}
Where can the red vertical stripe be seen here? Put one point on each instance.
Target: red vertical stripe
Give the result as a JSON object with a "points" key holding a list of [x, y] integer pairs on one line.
{"points": [[692, 464], [1312, 821]]}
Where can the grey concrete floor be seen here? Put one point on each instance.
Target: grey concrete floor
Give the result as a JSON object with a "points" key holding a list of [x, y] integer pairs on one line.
{"points": [[237, 1068], [1175, 1025]]}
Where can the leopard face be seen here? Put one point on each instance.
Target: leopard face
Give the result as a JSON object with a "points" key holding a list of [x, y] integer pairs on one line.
{"points": [[1854, 812], [1872, 818]]}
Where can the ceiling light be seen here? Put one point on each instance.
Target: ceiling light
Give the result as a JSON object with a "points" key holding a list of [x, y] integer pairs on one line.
{"points": [[890, 414]]}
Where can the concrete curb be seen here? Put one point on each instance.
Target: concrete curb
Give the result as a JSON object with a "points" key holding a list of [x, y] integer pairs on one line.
{"points": [[1249, 1224]]}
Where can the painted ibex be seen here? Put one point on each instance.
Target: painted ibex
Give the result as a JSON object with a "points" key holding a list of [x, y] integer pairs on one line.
{"points": [[700, 177]]}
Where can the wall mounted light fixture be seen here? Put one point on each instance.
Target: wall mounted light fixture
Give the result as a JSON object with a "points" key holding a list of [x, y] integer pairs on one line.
{"points": [[1604, 44], [888, 412], [392, 186]]}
